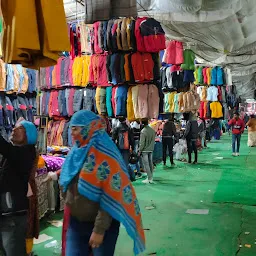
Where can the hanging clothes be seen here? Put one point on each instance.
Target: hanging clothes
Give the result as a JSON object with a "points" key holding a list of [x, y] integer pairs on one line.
{"points": [[212, 93], [174, 53], [44, 37], [189, 58], [153, 35], [130, 109], [153, 101]]}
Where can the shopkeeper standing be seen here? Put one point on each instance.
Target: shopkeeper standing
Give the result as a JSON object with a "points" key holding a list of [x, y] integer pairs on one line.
{"points": [[237, 125], [18, 159]]}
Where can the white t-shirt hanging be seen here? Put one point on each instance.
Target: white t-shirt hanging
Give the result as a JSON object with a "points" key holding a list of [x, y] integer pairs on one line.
{"points": [[169, 77], [212, 93]]}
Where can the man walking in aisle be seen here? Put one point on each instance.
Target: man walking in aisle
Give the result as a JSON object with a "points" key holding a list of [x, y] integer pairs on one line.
{"points": [[169, 131], [146, 148], [237, 125], [191, 135]]}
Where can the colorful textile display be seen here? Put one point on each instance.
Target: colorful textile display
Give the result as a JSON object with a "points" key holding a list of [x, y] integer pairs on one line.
{"points": [[210, 76], [115, 35], [181, 102]]}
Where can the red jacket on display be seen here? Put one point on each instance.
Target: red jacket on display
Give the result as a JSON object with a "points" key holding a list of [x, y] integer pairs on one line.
{"points": [[139, 38], [237, 126], [153, 35], [143, 66]]}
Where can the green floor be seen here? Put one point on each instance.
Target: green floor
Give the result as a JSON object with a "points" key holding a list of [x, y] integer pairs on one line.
{"points": [[225, 186]]}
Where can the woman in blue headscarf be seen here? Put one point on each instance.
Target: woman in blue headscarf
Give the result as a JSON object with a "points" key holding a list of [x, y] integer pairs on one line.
{"points": [[18, 158], [98, 191]]}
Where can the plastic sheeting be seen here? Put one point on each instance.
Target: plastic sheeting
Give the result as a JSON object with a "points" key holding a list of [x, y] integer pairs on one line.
{"points": [[222, 32], [219, 32]]}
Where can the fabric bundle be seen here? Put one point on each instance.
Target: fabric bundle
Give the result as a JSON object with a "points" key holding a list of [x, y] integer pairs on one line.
{"points": [[44, 38]]}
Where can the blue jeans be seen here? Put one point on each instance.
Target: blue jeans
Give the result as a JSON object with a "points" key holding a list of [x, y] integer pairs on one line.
{"points": [[126, 155], [78, 237], [236, 138]]}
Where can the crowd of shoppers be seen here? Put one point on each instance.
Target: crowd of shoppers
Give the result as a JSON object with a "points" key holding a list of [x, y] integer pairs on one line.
{"points": [[98, 170]]}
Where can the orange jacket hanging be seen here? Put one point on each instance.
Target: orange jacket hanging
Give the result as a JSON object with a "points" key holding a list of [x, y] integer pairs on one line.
{"points": [[43, 39]]}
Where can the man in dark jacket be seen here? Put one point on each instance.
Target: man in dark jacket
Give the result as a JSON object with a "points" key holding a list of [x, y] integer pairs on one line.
{"points": [[18, 158], [169, 131], [191, 135], [122, 135]]}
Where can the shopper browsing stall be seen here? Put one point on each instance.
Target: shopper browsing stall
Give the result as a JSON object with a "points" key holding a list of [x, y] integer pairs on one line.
{"points": [[237, 126], [147, 144], [18, 159]]}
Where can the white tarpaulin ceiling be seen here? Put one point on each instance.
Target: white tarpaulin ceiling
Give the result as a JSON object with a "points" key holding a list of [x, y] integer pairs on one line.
{"points": [[221, 32]]}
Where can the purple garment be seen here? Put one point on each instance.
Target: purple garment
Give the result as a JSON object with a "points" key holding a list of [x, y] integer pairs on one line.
{"points": [[53, 163], [41, 171]]}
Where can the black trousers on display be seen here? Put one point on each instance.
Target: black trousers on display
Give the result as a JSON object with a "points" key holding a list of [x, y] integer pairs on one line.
{"points": [[167, 144], [191, 144]]}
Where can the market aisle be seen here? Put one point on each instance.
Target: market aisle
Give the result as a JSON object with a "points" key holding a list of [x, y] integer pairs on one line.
{"points": [[170, 231]]}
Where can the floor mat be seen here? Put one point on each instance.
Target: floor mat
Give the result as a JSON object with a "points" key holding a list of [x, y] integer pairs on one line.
{"points": [[237, 183]]}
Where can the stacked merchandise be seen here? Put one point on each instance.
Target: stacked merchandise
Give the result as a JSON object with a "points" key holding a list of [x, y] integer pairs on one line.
{"points": [[123, 52], [18, 94], [112, 69], [212, 91], [177, 78]]}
